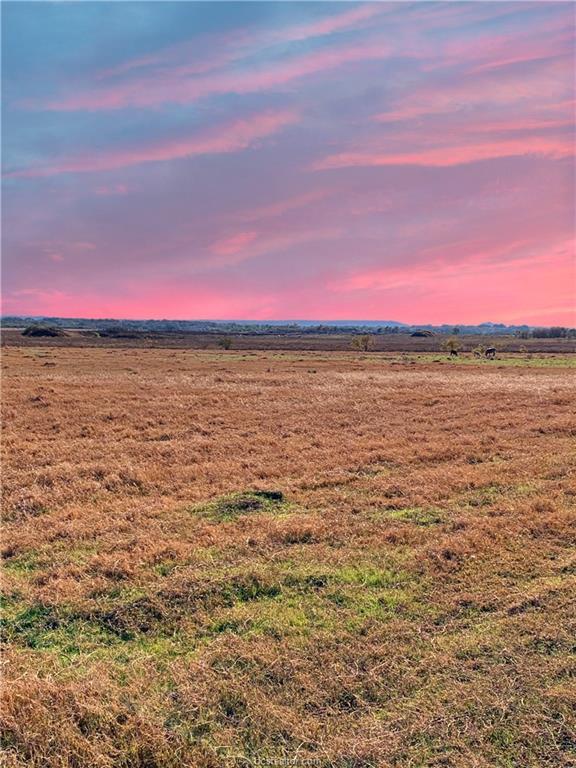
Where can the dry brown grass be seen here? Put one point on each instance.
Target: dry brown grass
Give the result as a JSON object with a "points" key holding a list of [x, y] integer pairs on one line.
{"points": [[407, 603]]}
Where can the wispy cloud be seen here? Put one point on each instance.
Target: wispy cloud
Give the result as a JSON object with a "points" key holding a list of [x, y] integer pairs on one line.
{"points": [[444, 157], [206, 53], [229, 137], [243, 246], [456, 94], [283, 206], [454, 262], [109, 190], [228, 246], [173, 87]]}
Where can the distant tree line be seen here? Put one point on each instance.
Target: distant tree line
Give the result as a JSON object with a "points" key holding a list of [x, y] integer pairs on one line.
{"points": [[126, 328], [555, 332]]}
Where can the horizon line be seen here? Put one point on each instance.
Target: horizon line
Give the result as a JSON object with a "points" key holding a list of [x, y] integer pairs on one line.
{"points": [[283, 321]]}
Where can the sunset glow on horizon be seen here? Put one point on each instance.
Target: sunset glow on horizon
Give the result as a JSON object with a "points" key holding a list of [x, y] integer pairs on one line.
{"points": [[322, 161]]}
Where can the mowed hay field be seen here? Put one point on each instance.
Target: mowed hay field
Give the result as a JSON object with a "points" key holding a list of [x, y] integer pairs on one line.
{"points": [[329, 559]]}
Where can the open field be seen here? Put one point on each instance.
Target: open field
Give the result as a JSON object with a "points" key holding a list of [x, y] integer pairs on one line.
{"points": [[330, 342], [218, 558]]}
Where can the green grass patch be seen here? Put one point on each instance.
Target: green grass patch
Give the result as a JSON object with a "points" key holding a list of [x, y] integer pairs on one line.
{"points": [[516, 360], [44, 627], [366, 575], [287, 614], [417, 515], [321, 598], [23, 564], [484, 497], [286, 599], [236, 505]]}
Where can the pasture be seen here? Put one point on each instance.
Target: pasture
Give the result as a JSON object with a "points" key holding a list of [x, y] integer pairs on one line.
{"points": [[231, 558]]}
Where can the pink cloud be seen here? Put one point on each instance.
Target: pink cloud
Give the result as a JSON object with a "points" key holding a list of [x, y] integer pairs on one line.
{"points": [[525, 123], [58, 250], [549, 85], [229, 137], [530, 284], [283, 206], [25, 301], [442, 157], [112, 189], [248, 245], [128, 66], [435, 263], [553, 40], [233, 244], [171, 300], [490, 50], [509, 61], [508, 280], [326, 26], [185, 83], [241, 43], [173, 88]]}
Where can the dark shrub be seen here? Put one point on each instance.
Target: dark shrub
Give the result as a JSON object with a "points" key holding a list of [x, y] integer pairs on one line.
{"points": [[42, 330]]}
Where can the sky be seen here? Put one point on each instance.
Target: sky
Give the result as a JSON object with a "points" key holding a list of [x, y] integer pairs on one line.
{"points": [[290, 160]]}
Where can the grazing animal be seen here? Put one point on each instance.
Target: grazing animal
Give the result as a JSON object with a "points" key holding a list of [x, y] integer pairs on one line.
{"points": [[490, 353], [453, 353]]}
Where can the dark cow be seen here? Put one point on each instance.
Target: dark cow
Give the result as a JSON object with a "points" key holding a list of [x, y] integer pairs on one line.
{"points": [[453, 353], [490, 353]]}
